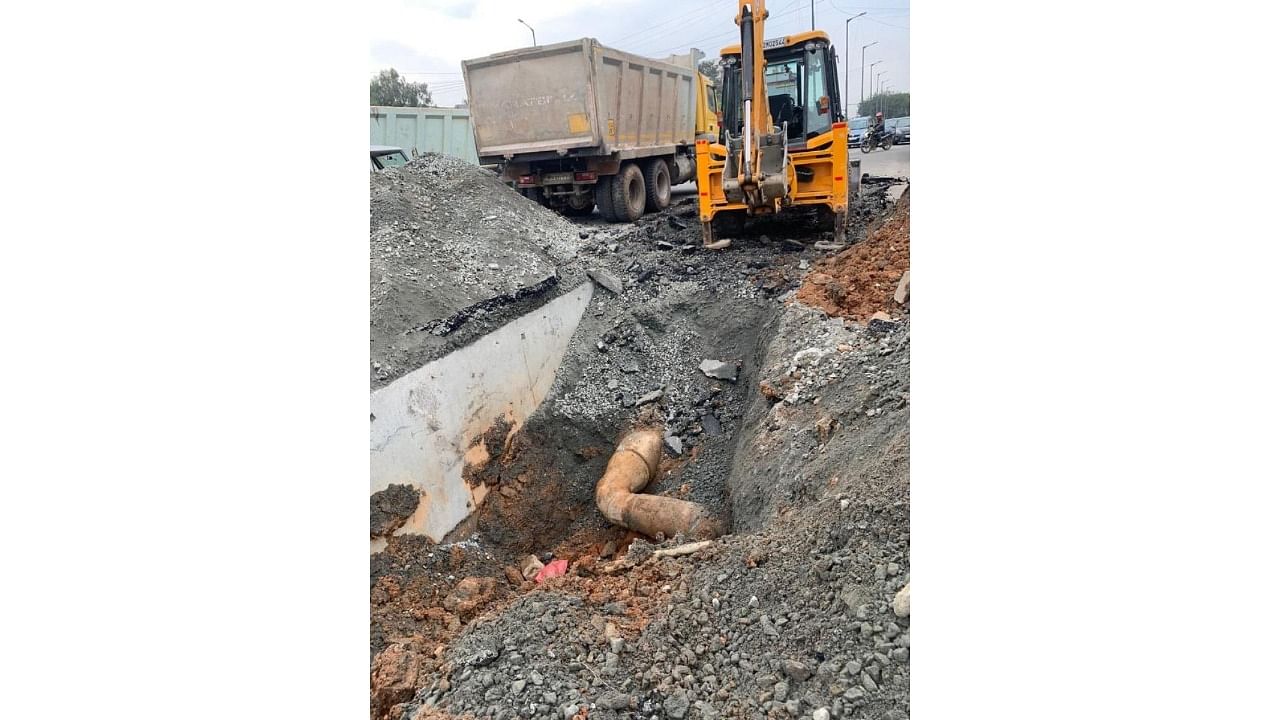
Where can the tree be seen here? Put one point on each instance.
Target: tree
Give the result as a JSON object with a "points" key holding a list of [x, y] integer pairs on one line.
{"points": [[711, 68], [391, 89], [891, 104]]}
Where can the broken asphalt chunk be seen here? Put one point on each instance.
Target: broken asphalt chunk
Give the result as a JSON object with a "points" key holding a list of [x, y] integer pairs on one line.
{"points": [[881, 322], [710, 425], [606, 280], [673, 442]]}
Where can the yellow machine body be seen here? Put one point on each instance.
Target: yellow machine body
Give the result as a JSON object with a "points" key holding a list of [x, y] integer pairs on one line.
{"points": [[763, 165]]}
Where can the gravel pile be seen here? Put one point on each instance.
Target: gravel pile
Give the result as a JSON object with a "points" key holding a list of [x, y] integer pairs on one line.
{"points": [[449, 243]]}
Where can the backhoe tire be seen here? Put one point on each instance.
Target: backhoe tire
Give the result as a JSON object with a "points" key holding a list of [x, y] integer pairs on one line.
{"points": [[604, 198], [628, 193], [657, 185]]}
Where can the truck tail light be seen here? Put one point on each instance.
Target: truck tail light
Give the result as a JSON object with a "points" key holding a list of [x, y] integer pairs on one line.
{"points": [[584, 176], [526, 180]]}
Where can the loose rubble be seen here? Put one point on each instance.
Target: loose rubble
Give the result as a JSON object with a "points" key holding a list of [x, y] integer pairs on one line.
{"points": [[788, 423]]}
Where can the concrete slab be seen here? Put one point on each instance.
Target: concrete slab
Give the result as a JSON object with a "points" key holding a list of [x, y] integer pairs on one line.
{"points": [[422, 423]]}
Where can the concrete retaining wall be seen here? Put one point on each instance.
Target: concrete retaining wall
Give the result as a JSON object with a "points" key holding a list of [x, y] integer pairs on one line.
{"points": [[423, 423]]}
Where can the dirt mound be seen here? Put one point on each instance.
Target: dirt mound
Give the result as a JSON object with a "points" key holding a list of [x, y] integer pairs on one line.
{"points": [[448, 240], [860, 281]]}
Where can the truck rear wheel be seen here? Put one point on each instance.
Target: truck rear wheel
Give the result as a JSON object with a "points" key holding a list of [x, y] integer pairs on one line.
{"points": [[604, 198], [628, 193], [657, 185]]}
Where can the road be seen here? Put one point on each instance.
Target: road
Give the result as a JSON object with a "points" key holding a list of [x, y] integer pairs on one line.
{"points": [[895, 161]]}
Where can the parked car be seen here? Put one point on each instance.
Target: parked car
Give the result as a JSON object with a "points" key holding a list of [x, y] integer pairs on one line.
{"points": [[385, 156], [857, 128], [901, 129]]}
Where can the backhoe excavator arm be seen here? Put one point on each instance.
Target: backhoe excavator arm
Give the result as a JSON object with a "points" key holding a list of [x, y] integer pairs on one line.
{"points": [[755, 102]]}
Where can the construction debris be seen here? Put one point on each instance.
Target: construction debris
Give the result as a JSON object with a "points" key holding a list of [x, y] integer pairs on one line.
{"points": [[686, 549], [650, 397], [606, 280], [809, 485], [864, 279], [530, 567], [869, 179], [719, 369], [555, 568], [903, 292]]}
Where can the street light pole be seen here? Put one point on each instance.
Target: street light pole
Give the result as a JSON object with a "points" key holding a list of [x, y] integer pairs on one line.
{"points": [[847, 98], [535, 35], [862, 72], [870, 69], [812, 24], [879, 98]]}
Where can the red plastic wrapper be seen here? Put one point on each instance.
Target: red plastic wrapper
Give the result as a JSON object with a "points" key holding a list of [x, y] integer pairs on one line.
{"points": [[555, 568]]}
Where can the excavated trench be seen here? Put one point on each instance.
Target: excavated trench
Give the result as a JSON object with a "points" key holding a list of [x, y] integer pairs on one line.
{"points": [[506, 439], [518, 457], [531, 480], [618, 398]]}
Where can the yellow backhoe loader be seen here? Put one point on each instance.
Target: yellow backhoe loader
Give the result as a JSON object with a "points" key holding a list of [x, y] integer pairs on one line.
{"points": [[783, 142]]}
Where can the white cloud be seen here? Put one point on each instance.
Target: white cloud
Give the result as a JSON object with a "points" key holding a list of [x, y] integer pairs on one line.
{"points": [[448, 32], [429, 40]]}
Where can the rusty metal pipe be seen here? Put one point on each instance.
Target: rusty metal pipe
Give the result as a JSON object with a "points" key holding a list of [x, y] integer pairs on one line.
{"points": [[632, 467]]}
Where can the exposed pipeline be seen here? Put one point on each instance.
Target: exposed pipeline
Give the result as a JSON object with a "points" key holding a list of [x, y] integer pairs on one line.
{"points": [[633, 465]]}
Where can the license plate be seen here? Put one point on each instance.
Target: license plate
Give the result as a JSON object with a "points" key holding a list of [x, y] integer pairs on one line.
{"points": [[557, 178]]}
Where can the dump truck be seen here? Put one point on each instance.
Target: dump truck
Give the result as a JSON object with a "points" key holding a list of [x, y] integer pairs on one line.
{"points": [[577, 126], [784, 143]]}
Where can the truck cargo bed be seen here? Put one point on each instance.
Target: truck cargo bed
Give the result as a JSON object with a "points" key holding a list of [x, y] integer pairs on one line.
{"points": [[578, 98]]}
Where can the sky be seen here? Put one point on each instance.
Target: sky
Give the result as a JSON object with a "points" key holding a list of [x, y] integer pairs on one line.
{"points": [[427, 40]]}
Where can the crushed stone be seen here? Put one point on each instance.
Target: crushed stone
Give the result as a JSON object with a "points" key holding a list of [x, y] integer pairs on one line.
{"points": [[805, 456]]}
